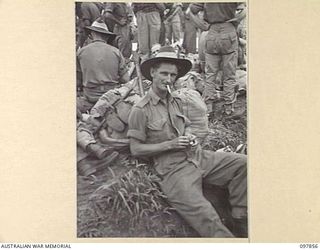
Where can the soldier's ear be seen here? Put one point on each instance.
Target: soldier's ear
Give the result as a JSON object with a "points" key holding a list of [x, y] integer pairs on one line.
{"points": [[152, 72]]}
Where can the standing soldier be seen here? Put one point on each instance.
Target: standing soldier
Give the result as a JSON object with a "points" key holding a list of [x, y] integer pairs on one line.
{"points": [[190, 32], [149, 25], [172, 22], [118, 17], [87, 13], [221, 48]]}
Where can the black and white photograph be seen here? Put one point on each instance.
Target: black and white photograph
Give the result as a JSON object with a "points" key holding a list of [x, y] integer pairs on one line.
{"points": [[161, 131]]}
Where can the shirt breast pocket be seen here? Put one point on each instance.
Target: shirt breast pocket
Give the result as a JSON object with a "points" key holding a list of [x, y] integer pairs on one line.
{"points": [[156, 131]]}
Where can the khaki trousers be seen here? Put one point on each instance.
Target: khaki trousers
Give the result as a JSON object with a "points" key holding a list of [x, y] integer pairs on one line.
{"points": [[221, 48], [184, 190], [149, 25]]}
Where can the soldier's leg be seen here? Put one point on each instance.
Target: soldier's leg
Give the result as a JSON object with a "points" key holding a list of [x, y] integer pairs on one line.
{"points": [[229, 50], [184, 191], [212, 68], [228, 170], [168, 30], [124, 41], [154, 28], [229, 67], [176, 28], [190, 37], [143, 35]]}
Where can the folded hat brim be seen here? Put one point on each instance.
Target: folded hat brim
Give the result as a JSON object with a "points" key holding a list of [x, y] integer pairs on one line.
{"points": [[183, 65], [96, 29]]}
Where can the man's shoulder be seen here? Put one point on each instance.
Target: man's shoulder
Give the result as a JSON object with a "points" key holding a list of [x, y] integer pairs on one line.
{"points": [[99, 46], [85, 48], [143, 102], [113, 49]]}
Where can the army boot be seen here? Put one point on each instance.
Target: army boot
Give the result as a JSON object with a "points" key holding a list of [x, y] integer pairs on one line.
{"points": [[229, 106], [97, 150], [240, 227]]}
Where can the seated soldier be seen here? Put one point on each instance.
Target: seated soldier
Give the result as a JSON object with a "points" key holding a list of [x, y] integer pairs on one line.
{"points": [[100, 67], [102, 132], [158, 129]]}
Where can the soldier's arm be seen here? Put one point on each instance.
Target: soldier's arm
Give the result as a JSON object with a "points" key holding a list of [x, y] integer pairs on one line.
{"points": [[196, 7], [161, 7], [108, 14], [240, 14]]}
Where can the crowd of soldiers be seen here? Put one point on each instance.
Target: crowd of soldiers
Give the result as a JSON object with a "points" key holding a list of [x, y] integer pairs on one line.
{"points": [[127, 97]]}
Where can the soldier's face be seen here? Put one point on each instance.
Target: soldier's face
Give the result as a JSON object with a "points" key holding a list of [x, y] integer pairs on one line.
{"points": [[165, 74]]}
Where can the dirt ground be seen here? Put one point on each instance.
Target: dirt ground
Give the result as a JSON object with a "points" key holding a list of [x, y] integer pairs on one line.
{"points": [[123, 200]]}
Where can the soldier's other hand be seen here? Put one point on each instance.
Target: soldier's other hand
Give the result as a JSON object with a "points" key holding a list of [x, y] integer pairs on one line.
{"points": [[180, 142], [192, 140], [191, 137]]}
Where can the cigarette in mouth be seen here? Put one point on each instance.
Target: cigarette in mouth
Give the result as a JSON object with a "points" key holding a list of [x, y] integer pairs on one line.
{"points": [[168, 88]]}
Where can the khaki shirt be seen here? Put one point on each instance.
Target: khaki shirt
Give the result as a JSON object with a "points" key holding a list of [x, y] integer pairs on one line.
{"points": [[215, 12], [152, 121], [102, 66]]}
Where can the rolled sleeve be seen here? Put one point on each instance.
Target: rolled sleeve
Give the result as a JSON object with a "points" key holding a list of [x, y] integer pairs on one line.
{"points": [[137, 124]]}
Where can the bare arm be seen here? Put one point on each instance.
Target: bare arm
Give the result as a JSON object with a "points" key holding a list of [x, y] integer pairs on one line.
{"points": [[141, 149]]}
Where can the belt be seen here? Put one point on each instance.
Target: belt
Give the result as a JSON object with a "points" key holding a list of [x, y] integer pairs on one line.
{"points": [[147, 10], [104, 88]]}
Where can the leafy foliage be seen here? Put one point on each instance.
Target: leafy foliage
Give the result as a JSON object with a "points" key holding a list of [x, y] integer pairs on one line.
{"points": [[130, 204]]}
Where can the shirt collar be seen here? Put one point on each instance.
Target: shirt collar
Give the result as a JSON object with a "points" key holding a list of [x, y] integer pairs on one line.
{"points": [[156, 99], [98, 40]]}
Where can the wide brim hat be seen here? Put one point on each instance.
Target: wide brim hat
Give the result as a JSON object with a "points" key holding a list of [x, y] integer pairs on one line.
{"points": [[166, 54], [100, 27]]}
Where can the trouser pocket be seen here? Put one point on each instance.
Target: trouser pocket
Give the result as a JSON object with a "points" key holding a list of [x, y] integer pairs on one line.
{"points": [[228, 43], [221, 43], [211, 44]]}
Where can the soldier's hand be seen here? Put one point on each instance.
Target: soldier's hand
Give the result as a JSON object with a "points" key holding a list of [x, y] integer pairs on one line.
{"points": [[180, 142], [192, 140]]}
